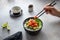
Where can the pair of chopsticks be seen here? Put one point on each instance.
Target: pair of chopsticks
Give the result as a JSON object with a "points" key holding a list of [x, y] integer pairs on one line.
{"points": [[43, 11]]}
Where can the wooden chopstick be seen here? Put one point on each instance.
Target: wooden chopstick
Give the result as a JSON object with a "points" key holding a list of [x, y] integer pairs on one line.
{"points": [[43, 9]]}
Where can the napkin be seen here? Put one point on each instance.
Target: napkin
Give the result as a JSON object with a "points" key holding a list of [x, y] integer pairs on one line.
{"points": [[16, 36]]}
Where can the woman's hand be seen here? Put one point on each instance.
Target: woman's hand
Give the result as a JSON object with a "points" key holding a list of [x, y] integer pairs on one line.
{"points": [[52, 10]]}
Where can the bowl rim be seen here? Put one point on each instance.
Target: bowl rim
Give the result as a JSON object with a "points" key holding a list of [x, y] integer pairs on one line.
{"points": [[31, 30], [16, 7]]}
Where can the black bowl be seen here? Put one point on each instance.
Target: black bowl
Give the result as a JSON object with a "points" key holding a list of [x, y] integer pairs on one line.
{"points": [[29, 31]]}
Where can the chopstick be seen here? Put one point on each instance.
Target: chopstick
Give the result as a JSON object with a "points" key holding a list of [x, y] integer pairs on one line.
{"points": [[44, 11], [51, 4]]}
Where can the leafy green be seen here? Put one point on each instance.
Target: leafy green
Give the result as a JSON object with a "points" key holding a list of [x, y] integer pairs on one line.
{"points": [[39, 22]]}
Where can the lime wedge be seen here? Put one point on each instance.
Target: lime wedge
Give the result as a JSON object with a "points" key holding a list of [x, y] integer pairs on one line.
{"points": [[8, 27], [5, 25]]}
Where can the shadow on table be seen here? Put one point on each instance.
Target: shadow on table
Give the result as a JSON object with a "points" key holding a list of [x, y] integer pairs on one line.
{"points": [[40, 36]]}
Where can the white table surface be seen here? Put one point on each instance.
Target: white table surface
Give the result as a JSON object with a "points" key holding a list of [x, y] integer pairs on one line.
{"points": [[51, 24]]}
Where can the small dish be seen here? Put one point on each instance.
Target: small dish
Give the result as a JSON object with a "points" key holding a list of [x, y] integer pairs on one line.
{"points": [[15, 11]]}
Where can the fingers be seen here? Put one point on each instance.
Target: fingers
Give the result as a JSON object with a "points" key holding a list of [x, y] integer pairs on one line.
{"points": [[47, 6], [48, 9]]}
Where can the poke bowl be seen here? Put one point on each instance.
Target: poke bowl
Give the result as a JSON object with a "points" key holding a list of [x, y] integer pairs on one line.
{"points": [[32, 25]]}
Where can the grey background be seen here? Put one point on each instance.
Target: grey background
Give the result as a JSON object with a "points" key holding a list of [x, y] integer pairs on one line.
{"points": [[51, 24]]}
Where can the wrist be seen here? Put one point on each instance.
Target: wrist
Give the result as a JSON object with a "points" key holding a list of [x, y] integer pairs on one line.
{"points": [[58, 13]]}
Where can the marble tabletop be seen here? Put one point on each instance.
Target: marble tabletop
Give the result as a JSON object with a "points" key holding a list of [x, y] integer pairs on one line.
{"points": [[51, 24]]}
